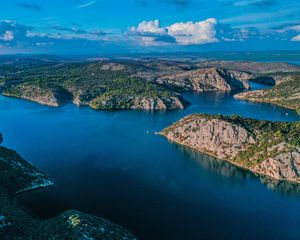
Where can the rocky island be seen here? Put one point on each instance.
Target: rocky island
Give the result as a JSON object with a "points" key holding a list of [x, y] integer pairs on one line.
{"points": [[17, 176], [263, 147]]}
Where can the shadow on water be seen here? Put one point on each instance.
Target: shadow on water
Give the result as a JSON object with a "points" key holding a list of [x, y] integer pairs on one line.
{"points": [[229, 170]]}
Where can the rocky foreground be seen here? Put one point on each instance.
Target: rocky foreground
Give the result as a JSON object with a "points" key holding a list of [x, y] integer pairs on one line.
{"points": [[17, 176], [263, 147]]}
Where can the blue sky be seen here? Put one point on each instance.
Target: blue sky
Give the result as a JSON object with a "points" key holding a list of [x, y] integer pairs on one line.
{"points": [[111, 26]]}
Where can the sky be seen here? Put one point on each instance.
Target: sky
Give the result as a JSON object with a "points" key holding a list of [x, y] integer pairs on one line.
{"points": [[138, 26]]}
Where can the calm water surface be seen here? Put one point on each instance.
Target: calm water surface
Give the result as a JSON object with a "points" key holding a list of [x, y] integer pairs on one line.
{"points": [[105, 163]]}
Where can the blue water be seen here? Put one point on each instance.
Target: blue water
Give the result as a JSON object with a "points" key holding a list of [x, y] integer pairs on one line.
{"points": [[294, 62], [105, 163]]}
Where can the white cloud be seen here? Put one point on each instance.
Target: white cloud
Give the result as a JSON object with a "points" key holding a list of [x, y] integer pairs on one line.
{"points": [[188, 33], [182, 33], [295, 28], [7, 36], [149, 27], [87, 4], [150, 33], [296, 38]]}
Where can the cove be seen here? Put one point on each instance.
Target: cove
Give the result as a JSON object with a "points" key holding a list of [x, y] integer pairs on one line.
{"points": [[104, 163]]}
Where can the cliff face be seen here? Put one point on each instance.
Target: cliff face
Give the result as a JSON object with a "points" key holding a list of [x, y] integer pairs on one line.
{"points": [[17, 176], [143, 103], [267, 148], [215, 136], [47, 95], [208, 79]]}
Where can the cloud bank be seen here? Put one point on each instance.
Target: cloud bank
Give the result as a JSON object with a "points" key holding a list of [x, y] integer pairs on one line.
{"points": [[151, 33], [145, 35]]}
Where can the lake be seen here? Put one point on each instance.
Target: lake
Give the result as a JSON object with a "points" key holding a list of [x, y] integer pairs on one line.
{"points": [[104, 163]]}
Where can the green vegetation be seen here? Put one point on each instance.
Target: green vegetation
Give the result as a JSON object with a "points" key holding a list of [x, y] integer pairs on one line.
{"points": [[286, 93], [123, 92], [266, 133], [87, 83]]}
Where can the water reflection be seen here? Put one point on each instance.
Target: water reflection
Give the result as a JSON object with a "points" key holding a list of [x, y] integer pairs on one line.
{"points": [[229, 170], [283, 187]]}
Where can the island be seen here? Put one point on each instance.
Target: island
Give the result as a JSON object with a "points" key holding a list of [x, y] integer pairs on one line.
{"points": [[18, 176], [266, 148]]}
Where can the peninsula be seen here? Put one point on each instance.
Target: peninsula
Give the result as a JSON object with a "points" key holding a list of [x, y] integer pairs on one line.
{"points": [[263, 147]]}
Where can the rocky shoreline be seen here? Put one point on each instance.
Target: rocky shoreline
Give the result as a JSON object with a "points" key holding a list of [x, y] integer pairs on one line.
{"points": [[263, 147]]}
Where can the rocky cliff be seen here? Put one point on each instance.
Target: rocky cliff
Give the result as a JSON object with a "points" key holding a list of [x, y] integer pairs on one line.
{"points": [[207, 79], [142, 103], [17, 176], [46, 94], [263, 147]]}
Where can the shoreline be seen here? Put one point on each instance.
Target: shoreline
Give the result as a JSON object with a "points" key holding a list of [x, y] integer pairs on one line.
{"points": [[227, 160], [241, 97]]}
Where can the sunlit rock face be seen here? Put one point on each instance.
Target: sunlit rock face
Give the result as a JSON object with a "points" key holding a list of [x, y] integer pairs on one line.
{"points": [[207, 79], [140, 103], [17, 176], [215, 136]]}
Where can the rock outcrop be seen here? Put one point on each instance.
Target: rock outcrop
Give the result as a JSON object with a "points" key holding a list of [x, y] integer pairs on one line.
{"points": [[263, 147], [207, 79], [141, 103], [50, 95], [17, 176]]}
